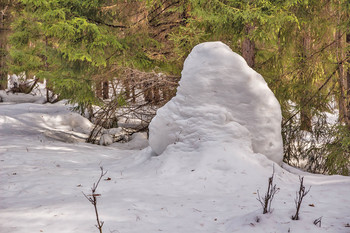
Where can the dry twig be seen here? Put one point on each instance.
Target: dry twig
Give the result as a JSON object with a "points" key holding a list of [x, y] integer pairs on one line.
{"points": [[92, 198], [318, 221], [299, 197], [267, 199]]}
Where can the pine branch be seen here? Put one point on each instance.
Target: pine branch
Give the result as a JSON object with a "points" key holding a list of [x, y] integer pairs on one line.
{"points": [[314, 95]]}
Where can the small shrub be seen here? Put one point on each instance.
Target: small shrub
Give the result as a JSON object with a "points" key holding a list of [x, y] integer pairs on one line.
{"points": [[92, 198], [269, 195], [299, 197]]}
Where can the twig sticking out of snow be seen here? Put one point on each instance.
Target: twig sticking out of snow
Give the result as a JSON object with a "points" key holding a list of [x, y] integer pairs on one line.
{"points": [[271, 191], [299, 197], [92, 198], [318, 221]]}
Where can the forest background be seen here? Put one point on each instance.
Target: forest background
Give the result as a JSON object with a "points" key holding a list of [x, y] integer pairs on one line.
{"points": [[117, 53]]}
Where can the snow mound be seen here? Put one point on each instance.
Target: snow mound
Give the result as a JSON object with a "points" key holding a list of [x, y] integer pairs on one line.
{"points": [[21, 98], [54, 121], [219, 99]]}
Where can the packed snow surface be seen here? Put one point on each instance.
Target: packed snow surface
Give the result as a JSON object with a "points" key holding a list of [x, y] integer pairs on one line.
{"points": [[221, 99], [189, 188]]}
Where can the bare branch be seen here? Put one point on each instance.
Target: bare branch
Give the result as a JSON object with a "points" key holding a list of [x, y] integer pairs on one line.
{"points": [[299, 197], [266, 201], [92, 198]]}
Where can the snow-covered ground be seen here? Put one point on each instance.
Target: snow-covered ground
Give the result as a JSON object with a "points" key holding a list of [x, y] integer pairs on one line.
{"points": [[209, 186]]}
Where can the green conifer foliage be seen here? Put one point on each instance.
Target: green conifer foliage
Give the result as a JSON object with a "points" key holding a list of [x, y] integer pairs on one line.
{"points": [[61, 41], [227, 20], [300, 48]]}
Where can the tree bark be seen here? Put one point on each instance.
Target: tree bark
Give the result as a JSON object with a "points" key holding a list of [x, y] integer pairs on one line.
{"points": [[105, 90], [156, 94], [342, 80], [348, 81], [98, 89], [248, 46], [127, 91], [305, 112], [4, 31]]}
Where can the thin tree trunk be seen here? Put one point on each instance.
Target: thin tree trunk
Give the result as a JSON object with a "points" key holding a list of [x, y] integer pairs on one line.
{"points": [[342, 80], [248, 46], [343, 112], [305, 119], [126, 84], [147, 93], [133, 94], [305, 112], [4, 31], [156, 94], [348, 82], [98, 89], [105, 90]]}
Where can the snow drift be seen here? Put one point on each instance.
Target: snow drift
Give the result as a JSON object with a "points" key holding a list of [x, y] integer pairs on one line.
{"points": [[56, 122], [219, 99]]}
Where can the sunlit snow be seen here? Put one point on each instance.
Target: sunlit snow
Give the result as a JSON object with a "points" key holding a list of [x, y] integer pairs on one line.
{"points": [[220, 99], [190, 187]]}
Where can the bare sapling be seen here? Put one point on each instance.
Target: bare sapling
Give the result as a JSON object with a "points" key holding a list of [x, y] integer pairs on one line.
{"points": [[92, 198], [266, 200], [299, 197]]}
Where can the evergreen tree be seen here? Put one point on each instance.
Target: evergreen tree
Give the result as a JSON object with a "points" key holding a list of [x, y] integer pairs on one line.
{"points": [[74, 45], [61, 41], [240, 24]]}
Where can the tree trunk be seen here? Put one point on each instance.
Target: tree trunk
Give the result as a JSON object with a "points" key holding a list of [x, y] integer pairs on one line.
{"points": [[147, 93], [156, 95], [305, 111], [98, 89], [126, 84], [342, 80], [248, 46], [105, 90], [4, 31], [133, 94], [305, 120], [348, 81]]}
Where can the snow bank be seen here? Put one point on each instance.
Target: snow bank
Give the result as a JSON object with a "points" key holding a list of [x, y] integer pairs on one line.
{"points": [[220, 99], [21, 98], [208, 186], [54, 121]]}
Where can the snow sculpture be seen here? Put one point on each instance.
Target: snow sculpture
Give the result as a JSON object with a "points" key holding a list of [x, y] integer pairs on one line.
{"points": [[220, 98]]}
